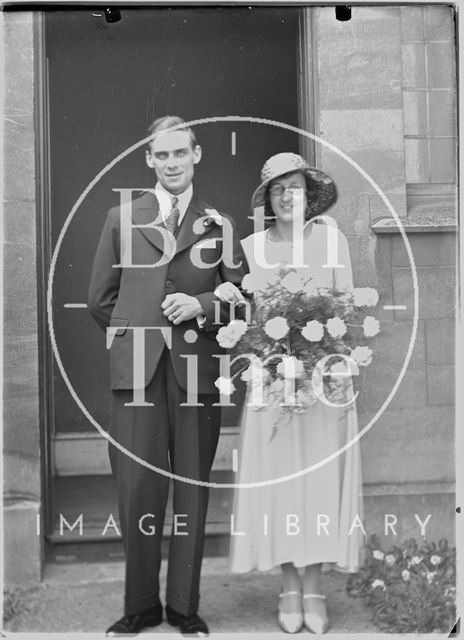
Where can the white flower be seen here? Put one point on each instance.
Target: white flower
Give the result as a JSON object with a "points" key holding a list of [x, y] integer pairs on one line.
{"points": [[390, 559], [225, 385], [229, 335], [416, 560], [371, 326], [294, 282], [215, 215], [405, 574], [255, 373], [435, 560], [362, 355], [430, 576], [277, 328], [259, 281], [365, 297], [290, 367], [378, 555], [378, 583], [313, 331], [336, 327]]}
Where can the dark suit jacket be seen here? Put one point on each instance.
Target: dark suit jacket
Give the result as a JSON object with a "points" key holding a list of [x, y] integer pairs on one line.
{"points": [[122, 296]]}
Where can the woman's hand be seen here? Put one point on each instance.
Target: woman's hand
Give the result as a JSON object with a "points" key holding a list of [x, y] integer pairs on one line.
{"points": [[228, 292]]}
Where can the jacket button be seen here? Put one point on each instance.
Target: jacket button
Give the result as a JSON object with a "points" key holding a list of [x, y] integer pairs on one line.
{"points": [[168, 284]]}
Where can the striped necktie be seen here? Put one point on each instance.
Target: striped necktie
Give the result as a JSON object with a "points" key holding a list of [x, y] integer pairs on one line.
{"points": [[172, 220]]}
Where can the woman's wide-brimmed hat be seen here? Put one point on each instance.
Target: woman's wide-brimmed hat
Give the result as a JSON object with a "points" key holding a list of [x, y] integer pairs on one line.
{"points": [[282, 163]]}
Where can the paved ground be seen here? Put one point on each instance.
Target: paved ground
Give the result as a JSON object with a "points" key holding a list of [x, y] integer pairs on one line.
{"points": [[87, 598]]}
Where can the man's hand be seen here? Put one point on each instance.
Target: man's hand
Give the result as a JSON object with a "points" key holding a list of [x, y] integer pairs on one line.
{"points": [[179, 307], [228, 292]]}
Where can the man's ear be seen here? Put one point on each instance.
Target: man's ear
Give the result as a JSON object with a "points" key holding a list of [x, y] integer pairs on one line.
{"points": [[197, 152], [149, 159]]}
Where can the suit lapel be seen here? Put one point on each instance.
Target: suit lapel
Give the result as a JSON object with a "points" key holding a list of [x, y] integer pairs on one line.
{"points": [[145, 211], [186, 235]]}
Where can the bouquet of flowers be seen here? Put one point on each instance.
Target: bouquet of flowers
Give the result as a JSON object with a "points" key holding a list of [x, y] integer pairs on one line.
{"points": [[303, 342], [412, 588]]}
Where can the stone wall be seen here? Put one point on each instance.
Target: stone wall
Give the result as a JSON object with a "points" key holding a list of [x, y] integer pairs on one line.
{"points": [[408, 455], [21, 440]]}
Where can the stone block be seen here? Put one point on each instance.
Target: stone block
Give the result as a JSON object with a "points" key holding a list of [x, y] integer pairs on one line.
{"points": [[21, 473], [391, 345], [440, 384], [22, 561], [379, 209], [440, 341], [383, 166], [20, 289], [359, 61], [382, 259], [428, 249], [19, 137], [377, 384], [405, 506], [436, 287], [19, 223], [412, 444]]}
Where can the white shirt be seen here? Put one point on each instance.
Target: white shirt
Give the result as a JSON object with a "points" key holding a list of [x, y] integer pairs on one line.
{"points": [[165, 201], [165, 205]]}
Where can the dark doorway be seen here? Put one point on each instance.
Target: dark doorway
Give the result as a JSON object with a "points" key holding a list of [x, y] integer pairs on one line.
{"points": [[106, 84]]}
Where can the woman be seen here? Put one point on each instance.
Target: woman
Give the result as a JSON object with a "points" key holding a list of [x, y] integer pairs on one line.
{"points": [[303, 522]]}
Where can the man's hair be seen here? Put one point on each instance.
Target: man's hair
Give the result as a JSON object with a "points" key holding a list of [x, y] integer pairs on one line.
{"points": [[166, 122]]}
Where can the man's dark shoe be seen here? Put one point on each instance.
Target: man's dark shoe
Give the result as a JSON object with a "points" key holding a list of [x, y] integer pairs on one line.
{"points": [[191, 625], [131, 625]]}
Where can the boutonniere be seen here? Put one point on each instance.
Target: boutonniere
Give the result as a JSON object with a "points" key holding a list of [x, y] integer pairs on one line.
{"points": [[212, 216]]}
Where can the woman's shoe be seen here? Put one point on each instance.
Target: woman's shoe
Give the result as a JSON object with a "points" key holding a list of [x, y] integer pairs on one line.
{"points": [[314, 621], [291, 622]]}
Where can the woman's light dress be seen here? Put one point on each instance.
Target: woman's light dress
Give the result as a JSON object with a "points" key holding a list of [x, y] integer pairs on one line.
{"points": [[314, 517]]}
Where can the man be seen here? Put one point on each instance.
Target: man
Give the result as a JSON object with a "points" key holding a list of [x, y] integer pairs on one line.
{"points": [[157, 265]]}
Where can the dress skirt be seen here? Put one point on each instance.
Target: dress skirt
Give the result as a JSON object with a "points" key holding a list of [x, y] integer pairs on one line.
{"points": [[315, 515]]}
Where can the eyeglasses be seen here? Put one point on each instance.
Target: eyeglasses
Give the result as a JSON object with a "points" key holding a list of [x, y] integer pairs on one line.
{"points": [[279, 189]]}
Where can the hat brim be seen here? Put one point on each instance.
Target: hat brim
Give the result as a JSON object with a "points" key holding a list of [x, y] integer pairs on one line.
{"points": [[326, 197]]}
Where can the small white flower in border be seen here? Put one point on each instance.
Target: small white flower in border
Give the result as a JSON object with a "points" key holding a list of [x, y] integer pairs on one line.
{"points": [[215, 216], [430, 576], [378, 583], [336, 327], [225, 385], [313, 331], [365, 297], [378, 555], [435, 560], [371, 326], [416, 560], [405, 575], [362, 355], [390, 559], [276, 328]]}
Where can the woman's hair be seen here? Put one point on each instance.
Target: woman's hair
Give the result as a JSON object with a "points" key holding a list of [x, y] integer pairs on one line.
{"points": [[311, 194]]}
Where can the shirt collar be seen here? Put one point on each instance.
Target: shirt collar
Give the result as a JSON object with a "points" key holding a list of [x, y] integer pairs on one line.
{"points": [[183, 198]]}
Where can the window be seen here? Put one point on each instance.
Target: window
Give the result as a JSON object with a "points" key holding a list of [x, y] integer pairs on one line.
{"points": [[429, 95]]}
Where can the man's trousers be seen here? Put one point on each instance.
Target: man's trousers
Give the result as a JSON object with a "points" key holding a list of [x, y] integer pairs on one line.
{"points": [[175, 438]]}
